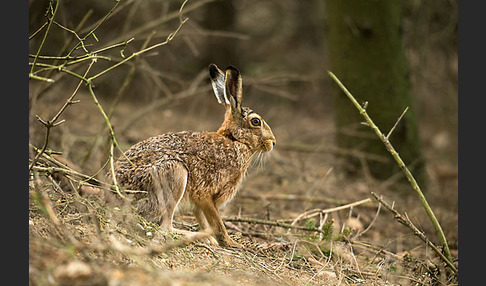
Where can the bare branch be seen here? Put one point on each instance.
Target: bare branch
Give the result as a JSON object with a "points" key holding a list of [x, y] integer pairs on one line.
{"points": [[396, 123]]}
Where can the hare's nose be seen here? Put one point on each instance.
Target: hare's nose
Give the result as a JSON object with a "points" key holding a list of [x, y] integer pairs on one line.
{"points": [[274, 141]]}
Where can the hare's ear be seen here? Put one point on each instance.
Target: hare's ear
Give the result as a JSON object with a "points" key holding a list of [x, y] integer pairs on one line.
{"points": [[217, 81], [233, 90]]}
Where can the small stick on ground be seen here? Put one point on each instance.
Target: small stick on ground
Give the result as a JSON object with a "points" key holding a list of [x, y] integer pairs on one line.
{"points": [[316, 212], [301, 198], [271, 223]]}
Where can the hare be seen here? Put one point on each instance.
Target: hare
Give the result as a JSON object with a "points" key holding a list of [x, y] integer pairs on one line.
{"points": [[204, 168]]}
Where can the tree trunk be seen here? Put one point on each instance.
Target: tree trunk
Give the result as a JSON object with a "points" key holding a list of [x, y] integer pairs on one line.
{"points": [[366, 54]]}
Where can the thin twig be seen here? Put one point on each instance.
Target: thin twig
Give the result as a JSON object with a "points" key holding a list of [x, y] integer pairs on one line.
{"points": [[170, 16], [77, 59], [49, 25], [91, 32], [316, 212], [113, 175], [103, 113], [371, 223], [168, 39], [294, 197], [38, 30], [396, 123], [75, 34], [115, 102], [271, 223], [34, 76]]}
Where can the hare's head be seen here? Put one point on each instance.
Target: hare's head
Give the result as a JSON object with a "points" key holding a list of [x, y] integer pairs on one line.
{"points": [[240, 123]]}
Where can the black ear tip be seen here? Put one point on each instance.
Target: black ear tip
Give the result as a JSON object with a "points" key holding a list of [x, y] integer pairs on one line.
{"points": [[213, 70], [232, 68]]}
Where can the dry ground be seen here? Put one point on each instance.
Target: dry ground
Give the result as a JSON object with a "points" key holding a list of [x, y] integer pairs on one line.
{"points": [[76, 240]]}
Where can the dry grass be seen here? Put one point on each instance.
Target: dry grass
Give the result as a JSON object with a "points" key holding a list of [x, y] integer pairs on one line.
{"points": [[90, 243]]}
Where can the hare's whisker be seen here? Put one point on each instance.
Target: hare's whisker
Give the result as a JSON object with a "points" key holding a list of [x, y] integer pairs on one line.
{"points": [[262, 160], [252, 160], [259, 160]]}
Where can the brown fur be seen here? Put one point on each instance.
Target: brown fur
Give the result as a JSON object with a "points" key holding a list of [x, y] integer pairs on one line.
{"points": [[204, 168]]}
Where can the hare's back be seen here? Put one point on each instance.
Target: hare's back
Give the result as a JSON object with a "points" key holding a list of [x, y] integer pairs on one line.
{"points": [[154, 149], [134, 168]]}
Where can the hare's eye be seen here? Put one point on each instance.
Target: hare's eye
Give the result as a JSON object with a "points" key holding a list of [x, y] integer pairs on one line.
{"points": [[255, 121]]}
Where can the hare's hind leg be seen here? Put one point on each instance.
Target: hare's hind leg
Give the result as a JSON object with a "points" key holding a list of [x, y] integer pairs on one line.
{"points": [[169, 186], [170, 182]]}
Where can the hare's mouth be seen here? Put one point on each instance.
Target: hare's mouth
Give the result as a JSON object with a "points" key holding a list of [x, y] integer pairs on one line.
{"points": [[268, 145]]}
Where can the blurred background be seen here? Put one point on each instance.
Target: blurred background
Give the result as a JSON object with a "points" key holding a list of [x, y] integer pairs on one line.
{"points": [[282, 48]]}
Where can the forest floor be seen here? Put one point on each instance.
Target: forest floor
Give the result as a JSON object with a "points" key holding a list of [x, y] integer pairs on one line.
{"points": [[80, 240]]}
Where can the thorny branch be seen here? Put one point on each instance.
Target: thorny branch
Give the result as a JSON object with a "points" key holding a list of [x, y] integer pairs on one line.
{"points": [[406, 221], [52, 123], [401, 164]]}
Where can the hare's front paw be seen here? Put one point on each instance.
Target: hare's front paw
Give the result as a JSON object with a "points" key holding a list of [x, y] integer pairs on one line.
{"points": [[210, 240], [228, 242], [195, 236]]}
